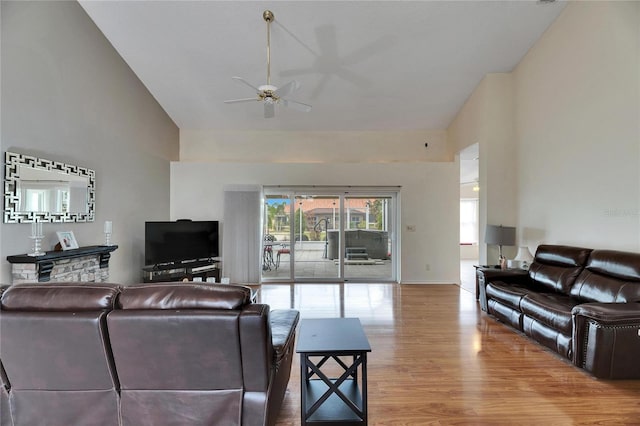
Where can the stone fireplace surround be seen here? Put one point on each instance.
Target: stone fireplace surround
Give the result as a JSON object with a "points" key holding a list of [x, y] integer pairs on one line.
{"points": [[87, 264]]}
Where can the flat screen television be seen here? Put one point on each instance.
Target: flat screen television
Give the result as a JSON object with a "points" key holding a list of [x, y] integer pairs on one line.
{"points": [[180, 241]]}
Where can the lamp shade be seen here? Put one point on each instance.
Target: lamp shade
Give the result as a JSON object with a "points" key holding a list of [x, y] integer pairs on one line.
{"points": [[524, 255], [500, 235]]}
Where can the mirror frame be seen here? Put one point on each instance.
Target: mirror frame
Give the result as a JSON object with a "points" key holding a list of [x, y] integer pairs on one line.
{"points": [[13, 162]]}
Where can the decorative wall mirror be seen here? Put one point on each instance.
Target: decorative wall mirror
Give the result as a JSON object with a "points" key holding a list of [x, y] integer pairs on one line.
{"points": [[36, 189]]}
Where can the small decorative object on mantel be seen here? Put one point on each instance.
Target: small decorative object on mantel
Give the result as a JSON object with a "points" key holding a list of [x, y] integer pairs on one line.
{"points": [[36, 236], [67, 240], [108, 230]]}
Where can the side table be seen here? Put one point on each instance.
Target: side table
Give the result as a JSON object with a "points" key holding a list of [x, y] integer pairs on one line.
{"points": [[333, 401]]}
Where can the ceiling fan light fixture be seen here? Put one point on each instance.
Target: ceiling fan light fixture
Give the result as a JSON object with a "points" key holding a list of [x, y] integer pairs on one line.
{"points": [[267, 88]]}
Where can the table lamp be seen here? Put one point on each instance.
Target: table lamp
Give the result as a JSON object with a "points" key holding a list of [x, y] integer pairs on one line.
{"points": [[500, 236], [524, 256]]}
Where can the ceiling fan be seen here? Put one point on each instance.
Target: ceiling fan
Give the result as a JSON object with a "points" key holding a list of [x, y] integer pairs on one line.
{"points": [[268, 94]]}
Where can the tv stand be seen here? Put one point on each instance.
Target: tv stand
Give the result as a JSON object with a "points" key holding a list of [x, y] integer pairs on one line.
{"points": [[179, 271]]}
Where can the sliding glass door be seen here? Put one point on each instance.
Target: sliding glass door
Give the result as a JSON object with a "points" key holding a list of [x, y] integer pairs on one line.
{"points": [[276, 237], [369, 251], [329, 235]]}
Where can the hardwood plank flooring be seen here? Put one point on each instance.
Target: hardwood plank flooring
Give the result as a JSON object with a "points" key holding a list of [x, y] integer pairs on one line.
{"points": [[438, 360]]}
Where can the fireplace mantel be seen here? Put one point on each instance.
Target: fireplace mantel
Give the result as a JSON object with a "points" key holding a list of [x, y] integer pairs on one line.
{"points": [[89, 263]]}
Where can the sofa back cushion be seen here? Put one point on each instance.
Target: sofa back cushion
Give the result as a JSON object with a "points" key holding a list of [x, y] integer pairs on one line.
{"points": [[179, 336], [60, 297], [609, 277], [556, 268], [54, 353], [179, 349], [184, 296]]}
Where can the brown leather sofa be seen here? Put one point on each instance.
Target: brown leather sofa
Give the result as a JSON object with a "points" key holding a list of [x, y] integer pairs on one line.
{"points": [[579, 302], [5, 417], [150, 354]]}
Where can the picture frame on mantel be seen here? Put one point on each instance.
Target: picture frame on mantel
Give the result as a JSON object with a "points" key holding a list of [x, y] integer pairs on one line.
{"points": [[67, 240]]}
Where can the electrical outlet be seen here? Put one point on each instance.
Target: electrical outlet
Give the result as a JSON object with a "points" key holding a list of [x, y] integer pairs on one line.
{"points": [[427, 267]]}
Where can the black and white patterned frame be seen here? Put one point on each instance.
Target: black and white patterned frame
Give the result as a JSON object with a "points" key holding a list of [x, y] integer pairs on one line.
{"points": [[12, 165]]}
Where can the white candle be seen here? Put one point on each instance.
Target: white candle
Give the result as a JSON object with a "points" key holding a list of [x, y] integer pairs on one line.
{"points": [[108, 227]]}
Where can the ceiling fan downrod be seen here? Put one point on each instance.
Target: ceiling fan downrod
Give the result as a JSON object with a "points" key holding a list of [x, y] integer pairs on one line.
{"points": [[268, 16]]}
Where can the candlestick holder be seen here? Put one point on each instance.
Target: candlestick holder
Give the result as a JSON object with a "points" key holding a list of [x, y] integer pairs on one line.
{"points": [[36, 236], [108, 230], [37, 246]]}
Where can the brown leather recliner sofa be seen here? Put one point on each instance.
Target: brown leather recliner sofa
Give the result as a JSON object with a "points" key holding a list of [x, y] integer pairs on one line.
{"points": [[5, 415], [149, 354], [579, 302]]}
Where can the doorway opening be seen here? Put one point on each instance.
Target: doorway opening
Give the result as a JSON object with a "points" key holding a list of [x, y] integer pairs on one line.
{"points": [[469, 215]]}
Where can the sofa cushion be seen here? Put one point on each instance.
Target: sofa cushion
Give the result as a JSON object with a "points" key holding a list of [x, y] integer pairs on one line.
{"points": [[551, 309], [504, 313], [556, 268], [507, 294], [60, 297], [609, 277], [184, 296], [562, 255]]}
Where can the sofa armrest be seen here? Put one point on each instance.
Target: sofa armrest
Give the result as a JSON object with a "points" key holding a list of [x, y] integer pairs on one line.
{"points": [[486, 275], [283, 330], [509, 276], [609, 313], [606, 339]]}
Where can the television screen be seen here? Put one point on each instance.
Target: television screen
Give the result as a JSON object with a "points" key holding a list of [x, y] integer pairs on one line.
{"points": [[184, 240]]}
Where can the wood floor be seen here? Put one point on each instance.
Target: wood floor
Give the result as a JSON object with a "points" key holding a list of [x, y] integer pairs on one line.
{"points": [[437, 360]]}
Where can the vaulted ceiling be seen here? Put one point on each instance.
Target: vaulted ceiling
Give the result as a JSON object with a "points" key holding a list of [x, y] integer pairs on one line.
{"points": [[362, 65]]}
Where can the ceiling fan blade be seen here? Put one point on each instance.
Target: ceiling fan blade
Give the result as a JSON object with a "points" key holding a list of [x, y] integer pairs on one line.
{"points": [[288, 88], [235, 101], [320, 86], [269, 110], [296, 105], [242, 80], [297, 71]]}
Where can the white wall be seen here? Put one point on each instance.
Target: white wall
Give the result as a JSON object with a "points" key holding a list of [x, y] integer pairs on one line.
{"points": [[429, 197], [68, 96], [209, 161], [487, 119], [315, 147], [578, 129]]}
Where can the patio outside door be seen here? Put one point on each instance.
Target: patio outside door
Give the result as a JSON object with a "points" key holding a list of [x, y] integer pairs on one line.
{"points": [[314, 235]]}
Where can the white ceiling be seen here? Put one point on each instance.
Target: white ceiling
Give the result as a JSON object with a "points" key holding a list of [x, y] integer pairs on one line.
{"points": [[363, 65]]}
